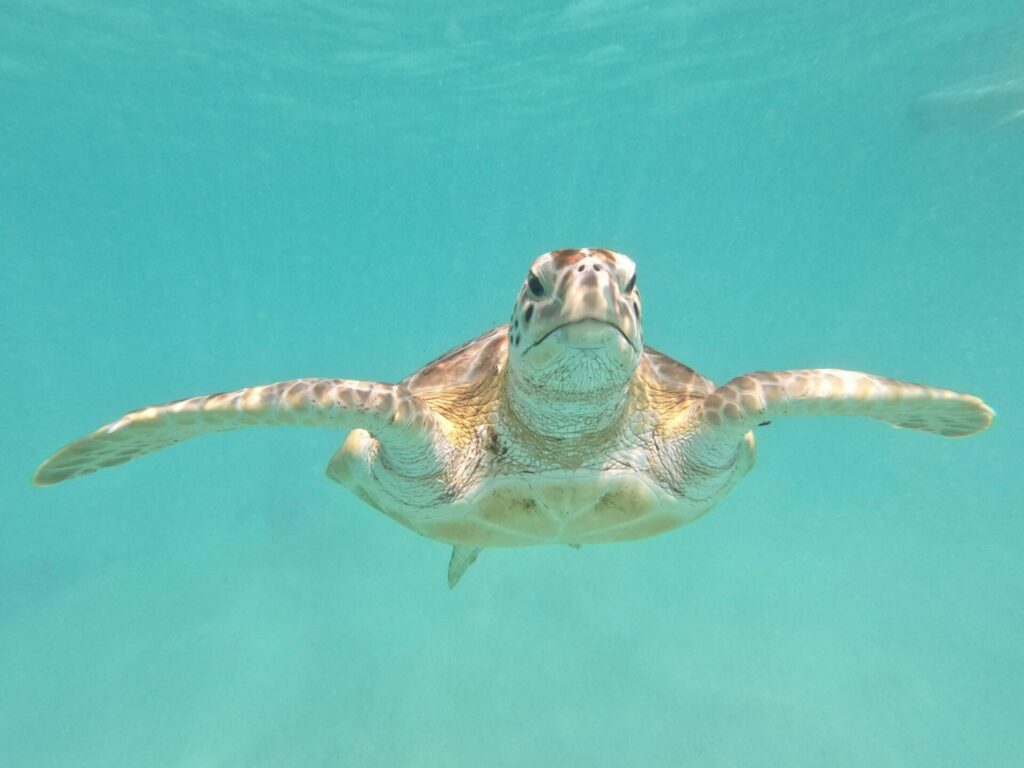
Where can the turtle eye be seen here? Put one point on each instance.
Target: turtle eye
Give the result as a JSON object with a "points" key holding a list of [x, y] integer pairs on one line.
{"points": [[536, 286], [631, 284]]}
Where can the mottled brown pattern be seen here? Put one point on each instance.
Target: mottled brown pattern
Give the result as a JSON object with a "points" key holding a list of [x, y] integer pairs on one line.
{"points": [[566, 257], [756, 397], [673, 389], [463, 384], [391, 411]]}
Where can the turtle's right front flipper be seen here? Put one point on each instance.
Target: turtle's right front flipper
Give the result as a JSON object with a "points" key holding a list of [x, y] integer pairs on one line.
{"points": [[400, 421]]}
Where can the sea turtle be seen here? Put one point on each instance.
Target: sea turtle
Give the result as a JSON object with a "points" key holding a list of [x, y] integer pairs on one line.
{"points": [[560, 427]]}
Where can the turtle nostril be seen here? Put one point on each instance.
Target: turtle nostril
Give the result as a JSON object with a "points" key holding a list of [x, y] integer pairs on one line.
{"points": [[597, 267]]}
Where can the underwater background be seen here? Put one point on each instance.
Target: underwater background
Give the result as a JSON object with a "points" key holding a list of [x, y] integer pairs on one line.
{"points": [[201, 196]]}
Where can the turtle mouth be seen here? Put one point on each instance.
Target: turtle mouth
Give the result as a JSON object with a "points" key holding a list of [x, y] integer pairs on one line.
{"points": [[589, 323]]}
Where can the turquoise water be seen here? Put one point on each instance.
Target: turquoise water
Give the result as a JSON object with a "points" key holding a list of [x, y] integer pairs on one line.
{"points": [[199, 197]]}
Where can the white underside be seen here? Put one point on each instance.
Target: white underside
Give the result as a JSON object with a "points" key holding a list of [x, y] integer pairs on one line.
{"points": [[556, 507]]}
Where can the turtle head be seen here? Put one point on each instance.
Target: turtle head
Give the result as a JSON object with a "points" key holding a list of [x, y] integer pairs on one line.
{"points": [[575, 327]]}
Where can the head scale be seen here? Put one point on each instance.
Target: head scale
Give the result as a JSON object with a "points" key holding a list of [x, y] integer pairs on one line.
{"points": [[575, 326]]}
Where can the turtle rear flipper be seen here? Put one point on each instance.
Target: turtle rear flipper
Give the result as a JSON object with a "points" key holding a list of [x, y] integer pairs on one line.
{"points": [[462, 558]]}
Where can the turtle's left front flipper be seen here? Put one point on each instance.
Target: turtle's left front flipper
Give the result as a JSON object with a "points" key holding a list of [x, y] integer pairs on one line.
{"points": [[404, 425], [752, 399]]}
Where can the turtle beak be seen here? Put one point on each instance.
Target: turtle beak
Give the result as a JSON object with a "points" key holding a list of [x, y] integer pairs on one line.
{"points": [[590, 309], [588, 333]]}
